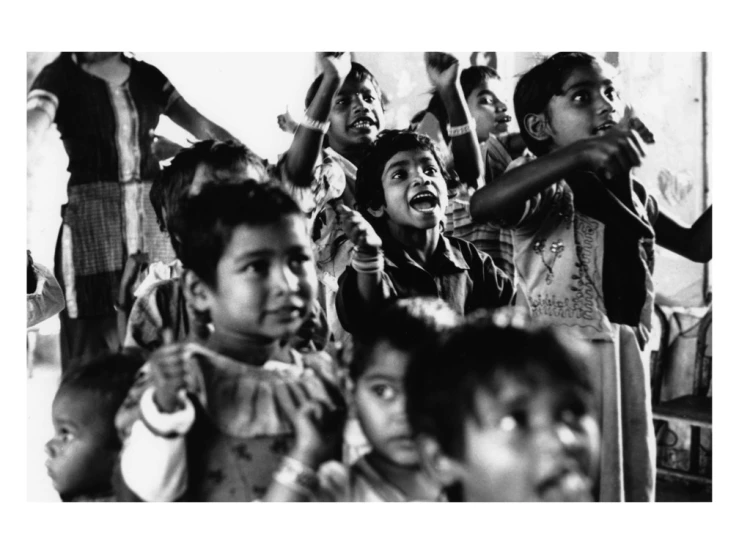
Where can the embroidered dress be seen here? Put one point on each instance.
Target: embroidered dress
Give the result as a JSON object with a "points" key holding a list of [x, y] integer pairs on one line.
{"points": [[106, 131], [243, 425], [585, 266]]}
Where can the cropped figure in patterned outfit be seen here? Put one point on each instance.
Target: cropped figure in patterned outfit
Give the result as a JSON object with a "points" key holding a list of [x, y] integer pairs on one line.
{"points": [[106, 106], [584, 245]]}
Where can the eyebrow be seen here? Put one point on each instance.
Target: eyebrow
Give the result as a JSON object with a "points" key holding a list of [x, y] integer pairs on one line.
{"points": [[377, 375], [587, 83]]}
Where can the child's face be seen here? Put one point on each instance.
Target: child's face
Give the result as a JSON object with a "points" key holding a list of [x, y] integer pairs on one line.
{"points": [[266, 280], [588, 106], [80, 457], [530, 445], [380, 401], [356, 115], [415, 191], [488, 110]]}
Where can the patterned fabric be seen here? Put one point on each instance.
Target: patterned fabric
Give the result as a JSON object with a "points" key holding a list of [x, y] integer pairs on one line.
{"points": [[458, 273], [106, 132], [244, 422], [47, 300], [358, 483]]}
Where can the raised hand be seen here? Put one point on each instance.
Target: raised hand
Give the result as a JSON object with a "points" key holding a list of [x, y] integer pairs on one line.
{"points": [[286, 122], [442, 69], [335, 65], [168, 372], [357, 229], [614, 153]]}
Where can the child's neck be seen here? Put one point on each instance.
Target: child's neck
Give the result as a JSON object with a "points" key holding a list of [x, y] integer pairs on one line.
{"points": [[419, 244], [410, 480], [352, 153], [249, 349]]}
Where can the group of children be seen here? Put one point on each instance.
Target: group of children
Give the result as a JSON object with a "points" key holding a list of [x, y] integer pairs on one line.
{"points": [[392, 315]]}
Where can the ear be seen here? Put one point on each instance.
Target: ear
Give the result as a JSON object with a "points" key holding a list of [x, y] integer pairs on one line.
{"points": [[197, 293], [377, 212], [441, 468], [537, 126]]}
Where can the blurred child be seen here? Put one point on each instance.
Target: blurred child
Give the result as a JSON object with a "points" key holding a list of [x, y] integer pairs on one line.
{"points": [[402, 191], [481, 87], [504, 414], [344, 113], [390, 471], [85, 446], [210, 419], [44, 296], [584, 244], [160, 300]]}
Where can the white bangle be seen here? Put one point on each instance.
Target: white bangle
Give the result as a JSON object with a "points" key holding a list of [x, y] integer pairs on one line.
{"points": [[315, 125], [460, 130]]}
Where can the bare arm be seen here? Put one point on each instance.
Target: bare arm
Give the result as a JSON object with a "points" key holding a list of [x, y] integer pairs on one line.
{"points": [[306, 146], [443, 71], [694, 243], [38, 121], [195, 123]]}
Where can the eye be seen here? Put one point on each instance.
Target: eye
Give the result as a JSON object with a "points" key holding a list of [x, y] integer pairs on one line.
{"points": [[369, 98], [431, 170], [384, 392], [517, 420], [581, 97], [65, 435], [341, 101], [298, 261], [398, 175], [259, 267], [611, 93]]}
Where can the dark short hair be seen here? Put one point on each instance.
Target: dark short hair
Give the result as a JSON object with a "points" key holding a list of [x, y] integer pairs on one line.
{"points": [[368, 189], [405, 325], [211, 216], [357, 73], [470, 78], [441, 382], [172, 185], [540, 84], [109, 377]]}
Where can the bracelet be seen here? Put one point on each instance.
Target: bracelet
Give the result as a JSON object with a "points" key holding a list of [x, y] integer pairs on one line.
{"points": [[460, 130], [297, 477], [364, 262], [315, 125]]}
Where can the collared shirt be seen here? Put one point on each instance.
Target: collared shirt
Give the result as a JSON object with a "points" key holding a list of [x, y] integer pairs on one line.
{"points": [[457, 273]]}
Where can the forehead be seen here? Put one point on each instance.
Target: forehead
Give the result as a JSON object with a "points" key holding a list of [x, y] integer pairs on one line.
{"points": [[79, 407], [290, 231], [407, 157], [231, 175], [594, 74], [490, 85], [353, 86], [387, 362]]}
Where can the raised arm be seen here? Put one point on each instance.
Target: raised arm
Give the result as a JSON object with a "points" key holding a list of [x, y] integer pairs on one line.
{"points": [[195, 123], [306, 146], [443, 72], [695, 243]]}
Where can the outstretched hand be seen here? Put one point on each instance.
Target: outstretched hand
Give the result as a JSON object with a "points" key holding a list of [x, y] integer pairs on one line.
{"points": [[286, 122], [168, 372], [442, 69], [336, 65]]}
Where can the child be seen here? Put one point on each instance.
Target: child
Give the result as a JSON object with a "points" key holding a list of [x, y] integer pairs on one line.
{"points": [[85, 446], [402, 190], [44, 297], [503, 414], [481, 87], [210, 419], [584, 244], [390, 471], [344, 113]]}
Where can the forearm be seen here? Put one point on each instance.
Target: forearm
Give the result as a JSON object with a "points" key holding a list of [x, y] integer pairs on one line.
{"points": [[307, 144], [702, 235], [465, 148], [506, 196]]}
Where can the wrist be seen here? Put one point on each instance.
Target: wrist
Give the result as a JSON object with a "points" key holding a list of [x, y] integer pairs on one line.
{"points": [[307, 456]]}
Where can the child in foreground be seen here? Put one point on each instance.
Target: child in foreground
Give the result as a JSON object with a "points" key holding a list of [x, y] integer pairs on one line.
{"points": [[390, 471], [85, 447], [503, 413], [210, 419], [402, 189], [584, 244]]}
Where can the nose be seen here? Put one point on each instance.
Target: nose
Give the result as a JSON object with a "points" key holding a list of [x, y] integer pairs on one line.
{"points": [[359, 104], [500, 107], [557, 438], [284, 279], [605, 104], [49, 449]]}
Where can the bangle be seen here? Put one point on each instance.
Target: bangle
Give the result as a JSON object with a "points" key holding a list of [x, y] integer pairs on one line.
{"points": [[460, 130], [315, 125], [368, 263], [297, 477]]}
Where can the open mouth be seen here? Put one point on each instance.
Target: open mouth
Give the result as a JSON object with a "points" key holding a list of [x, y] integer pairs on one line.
{"points": [[604, 128], [566, 486], [425, 202], [363, 123], [287, 313]]}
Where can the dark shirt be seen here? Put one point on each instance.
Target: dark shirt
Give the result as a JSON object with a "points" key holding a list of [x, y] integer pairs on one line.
{"points": [[457, 273]]}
